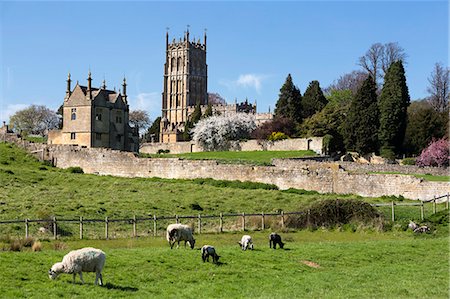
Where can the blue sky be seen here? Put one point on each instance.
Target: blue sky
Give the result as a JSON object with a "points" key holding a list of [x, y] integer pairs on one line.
{"points": [[252, 46]]}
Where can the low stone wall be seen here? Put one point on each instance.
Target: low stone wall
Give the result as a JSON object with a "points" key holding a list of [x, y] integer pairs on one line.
{"points": [[293, 144], [324, 177]]}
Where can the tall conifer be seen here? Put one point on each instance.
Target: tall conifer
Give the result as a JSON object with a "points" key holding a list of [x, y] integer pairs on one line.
{"points": [[361, 130], [393, 105], [313, 100], [289, 101]]}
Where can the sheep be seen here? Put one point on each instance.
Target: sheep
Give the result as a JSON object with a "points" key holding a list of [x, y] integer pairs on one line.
{"points": [[179, 232], [207, 251], [275, 239], [246, 242], [418, 229], [86, 259]]}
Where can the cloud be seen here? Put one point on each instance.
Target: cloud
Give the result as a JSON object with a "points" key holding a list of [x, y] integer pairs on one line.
{"points": [[9, 110], [245, 81], [147, 101]]}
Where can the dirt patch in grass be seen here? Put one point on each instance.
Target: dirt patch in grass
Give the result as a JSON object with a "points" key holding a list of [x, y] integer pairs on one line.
{"points": [[310, 264]]}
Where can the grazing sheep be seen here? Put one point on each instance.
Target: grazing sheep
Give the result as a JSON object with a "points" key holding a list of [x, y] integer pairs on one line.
{"points": [[418, 229], [275, 239], [246, 242], [207, 251], [179, 232], [78, 261]]}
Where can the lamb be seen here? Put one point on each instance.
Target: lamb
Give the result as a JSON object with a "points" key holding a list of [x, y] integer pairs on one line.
{"points": [[86, 259], [207, 251], [418, 229], [275, 239], [246, 242], [179, 232]]}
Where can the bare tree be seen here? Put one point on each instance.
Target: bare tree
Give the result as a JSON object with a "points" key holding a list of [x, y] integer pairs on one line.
{"points": [[379, 58], [439, 88], [350, 81], [216, 99], [34, 120], [371, 61], [392, 53], [140, 119]]}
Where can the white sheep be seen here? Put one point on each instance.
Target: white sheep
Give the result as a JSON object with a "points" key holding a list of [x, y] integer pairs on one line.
{"points": [[246, 242], [418, 229], [207, 251], [179, 232], [78, 261]]}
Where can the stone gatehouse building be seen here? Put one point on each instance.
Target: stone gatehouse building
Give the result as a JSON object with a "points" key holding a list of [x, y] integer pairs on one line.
{"points": [[96, 117]]}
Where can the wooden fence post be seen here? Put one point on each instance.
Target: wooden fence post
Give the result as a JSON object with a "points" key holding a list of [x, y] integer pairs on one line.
{"points": [[221, 223], [282, 219], [154, 225], [54, 228], [434, 204], [243, 221], [26, 228], [81, 227], [176, 219], [263, 224], [199, 224], [448, 200], [106, 228], [422, 214], [134, 226], [393, 212]]}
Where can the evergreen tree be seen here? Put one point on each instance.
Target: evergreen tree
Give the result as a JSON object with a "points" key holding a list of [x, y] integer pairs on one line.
{"points": [[192, 120], [289, 101], [393, 105], [153, 131], [313, 100], [208, 111], [361, 130]]}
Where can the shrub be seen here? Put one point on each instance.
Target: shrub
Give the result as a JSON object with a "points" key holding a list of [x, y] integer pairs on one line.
{"points": [[436, 154], [195, 207], [163, 151], [59, 246], [409, 161], [275, 136], [387, 152], [28, 242], [75, 169], [15, 245]]}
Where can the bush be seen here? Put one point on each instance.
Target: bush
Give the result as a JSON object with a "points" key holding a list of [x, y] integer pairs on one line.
{"points": [[387, 152], [75, 169], [163, 151], [436, 154], [336, 212], [409, 161], [275, 136]]}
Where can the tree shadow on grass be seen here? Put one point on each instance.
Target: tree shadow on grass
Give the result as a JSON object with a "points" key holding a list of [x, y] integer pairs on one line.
{"points": [[111, 286]]}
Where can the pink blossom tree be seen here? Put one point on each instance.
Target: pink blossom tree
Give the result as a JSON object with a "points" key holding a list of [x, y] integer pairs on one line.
{"points": [[436, 154]]}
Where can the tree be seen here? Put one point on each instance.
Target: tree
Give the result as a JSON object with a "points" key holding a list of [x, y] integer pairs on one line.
{"points": [[34, 120], [313, 100], [216, 99], [379, 58], [191, 121], [217, 132], [439, 88], [208, 111], [424, 124], [393, 105], [361, 126], [152, 134], [289, 101], [436, 154], [139, 119], [278, 124], [351, 81]]}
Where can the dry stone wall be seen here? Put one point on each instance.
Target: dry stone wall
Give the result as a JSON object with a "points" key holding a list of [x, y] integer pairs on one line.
{"points": [[324, 177]]}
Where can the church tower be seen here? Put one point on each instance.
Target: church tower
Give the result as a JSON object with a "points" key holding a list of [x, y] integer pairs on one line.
{"points": [[185, 84]]}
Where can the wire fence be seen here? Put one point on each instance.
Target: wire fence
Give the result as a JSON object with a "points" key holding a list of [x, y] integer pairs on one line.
{"points": [[85, 228]]}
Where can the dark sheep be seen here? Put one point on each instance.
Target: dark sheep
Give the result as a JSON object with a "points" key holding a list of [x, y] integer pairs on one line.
{"points": [[275, 239], [207, 251]]}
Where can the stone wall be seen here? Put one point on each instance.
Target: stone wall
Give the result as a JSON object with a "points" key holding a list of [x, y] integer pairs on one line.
{"points": [[324, 177], [313, 143]]}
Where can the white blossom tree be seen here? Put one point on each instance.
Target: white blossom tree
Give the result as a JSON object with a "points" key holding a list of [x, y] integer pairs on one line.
{"points": [[216, 133]]}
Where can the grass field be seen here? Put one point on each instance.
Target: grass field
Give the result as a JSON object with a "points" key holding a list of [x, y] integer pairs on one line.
{"points": [[350, 265], [239, 157]]}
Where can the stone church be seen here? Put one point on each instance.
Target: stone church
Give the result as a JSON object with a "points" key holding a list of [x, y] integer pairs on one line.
{"points": [[96, 117], [185, 85]]}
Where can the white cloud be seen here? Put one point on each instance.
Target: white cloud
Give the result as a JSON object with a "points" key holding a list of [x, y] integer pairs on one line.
{"points": [[10, 109], [246, 81], [147, 101]]}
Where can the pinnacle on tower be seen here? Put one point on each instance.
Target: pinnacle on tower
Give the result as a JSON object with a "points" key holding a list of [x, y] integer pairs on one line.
{"points": [[68, 91]]}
